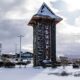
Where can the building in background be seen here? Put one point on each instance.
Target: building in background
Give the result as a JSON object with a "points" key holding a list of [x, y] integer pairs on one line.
{"points": [[44, 35], [25, 56]]}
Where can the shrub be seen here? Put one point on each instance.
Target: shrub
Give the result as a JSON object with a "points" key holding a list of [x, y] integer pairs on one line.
{"points": [[9, 65], [75, 66], [1, 64]]}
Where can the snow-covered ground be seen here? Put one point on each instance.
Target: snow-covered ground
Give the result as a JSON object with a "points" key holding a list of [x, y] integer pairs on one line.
{"points": [[30, 73]]}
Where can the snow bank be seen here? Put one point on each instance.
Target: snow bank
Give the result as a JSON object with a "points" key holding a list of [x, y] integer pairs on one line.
{"points": [[38, 73]]}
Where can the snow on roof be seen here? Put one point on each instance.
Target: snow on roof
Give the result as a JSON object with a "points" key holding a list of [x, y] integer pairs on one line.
{"points": [[46, 11]]}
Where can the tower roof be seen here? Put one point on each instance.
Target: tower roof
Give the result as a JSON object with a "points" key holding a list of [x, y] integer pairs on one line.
{"points": [[45, 13]]}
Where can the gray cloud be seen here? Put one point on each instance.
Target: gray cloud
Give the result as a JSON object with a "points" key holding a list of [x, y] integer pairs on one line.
{"points": [[9, 32], [5, 7], [10, 29], [62, 7], [59, 4], [67, 44]]}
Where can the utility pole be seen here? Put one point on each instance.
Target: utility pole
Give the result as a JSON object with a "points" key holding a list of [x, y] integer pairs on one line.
{"points": [[15, 48], [15, 51], [20, 36]]}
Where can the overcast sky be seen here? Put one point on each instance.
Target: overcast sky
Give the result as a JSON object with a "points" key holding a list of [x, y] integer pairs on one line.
{"points": [[15, 15]]}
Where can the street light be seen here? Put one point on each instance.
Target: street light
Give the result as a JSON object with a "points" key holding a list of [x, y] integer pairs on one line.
{"points": [[20, 36]]}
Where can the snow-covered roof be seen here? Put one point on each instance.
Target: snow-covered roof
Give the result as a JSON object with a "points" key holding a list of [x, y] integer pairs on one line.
{"points": [[45, 12]]}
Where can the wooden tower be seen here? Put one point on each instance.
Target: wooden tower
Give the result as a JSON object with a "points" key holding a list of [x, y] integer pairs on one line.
{"points": [[44, 35]]}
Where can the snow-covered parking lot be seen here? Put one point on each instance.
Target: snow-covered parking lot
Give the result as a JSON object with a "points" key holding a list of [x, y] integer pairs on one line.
{"points": [[30, 73]]}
